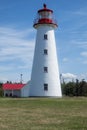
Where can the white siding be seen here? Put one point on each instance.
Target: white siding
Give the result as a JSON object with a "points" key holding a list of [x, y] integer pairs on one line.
{"points": [[25, 90], [8, 92], [38, 77], [14, 93], [17, 93]]}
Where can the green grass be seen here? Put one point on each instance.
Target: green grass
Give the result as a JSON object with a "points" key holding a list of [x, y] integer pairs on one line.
{"points": [[43, 114]]}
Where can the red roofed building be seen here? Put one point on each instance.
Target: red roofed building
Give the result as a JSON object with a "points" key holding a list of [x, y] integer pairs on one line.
{"points": [[16, 90]]}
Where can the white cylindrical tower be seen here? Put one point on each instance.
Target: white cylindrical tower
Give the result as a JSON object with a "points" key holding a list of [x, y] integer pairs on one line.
{"points": [[45, 80]]}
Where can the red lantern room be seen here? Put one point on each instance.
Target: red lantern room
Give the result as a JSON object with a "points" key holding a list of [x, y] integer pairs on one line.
{"points": [[45, 16]]}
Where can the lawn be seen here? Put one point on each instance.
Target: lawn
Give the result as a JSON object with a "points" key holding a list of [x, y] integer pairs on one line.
{"points": [[43, 113]]}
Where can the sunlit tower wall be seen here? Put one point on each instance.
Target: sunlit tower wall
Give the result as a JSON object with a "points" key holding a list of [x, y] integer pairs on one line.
{"points": [[45, 79]]}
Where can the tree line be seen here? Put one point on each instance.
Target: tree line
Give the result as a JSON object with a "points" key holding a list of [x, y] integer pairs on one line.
{"points": [[1, 90], [77, 88]]}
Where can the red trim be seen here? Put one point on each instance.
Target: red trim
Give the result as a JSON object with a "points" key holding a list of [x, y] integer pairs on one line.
{"points": [[45, 21], [45, 9]]}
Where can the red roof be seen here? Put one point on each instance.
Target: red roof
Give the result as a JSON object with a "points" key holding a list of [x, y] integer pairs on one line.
{"points": [[15, 86]]}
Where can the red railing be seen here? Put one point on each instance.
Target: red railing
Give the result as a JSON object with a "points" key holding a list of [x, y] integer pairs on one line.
{"points": [[45, 21]]}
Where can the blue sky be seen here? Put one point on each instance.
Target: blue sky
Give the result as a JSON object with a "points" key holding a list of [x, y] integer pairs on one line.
{"points": [[17, 37]]}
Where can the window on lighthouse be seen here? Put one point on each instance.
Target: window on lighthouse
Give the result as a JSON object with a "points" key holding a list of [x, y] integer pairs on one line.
{"points": [[45, 69], [45, 37], [45, 51], [45, 87]]}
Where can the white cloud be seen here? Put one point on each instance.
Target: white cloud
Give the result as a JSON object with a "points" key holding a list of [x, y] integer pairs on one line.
{"points": [[3, 79], [65, 59], [84, 54], [13, 43], [68, 76], [81, 12], [16, 49], [11, 32], [85, 62], [82, 76], [81, 43]]}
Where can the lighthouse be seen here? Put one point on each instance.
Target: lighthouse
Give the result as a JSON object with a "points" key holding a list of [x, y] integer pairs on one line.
{"points": [[45, 79]]}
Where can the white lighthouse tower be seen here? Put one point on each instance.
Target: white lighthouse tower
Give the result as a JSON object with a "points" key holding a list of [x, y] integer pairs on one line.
{"points": [[45, 80]]}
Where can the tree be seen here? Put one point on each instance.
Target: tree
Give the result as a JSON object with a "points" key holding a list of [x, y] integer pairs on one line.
{"points": [[78, 88], [69, 89], [83, 88], [1, 90]]}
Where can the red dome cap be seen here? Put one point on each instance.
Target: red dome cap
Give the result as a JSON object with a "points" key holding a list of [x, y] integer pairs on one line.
{"points": [[45, 9]]}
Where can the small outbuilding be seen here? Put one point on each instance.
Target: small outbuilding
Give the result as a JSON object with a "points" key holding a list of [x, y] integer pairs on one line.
{"points": [[16, 90]]}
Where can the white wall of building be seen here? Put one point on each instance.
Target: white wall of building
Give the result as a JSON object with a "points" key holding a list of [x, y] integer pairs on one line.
{"points": [[25, 90], [8, 92], [15, 93]]}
